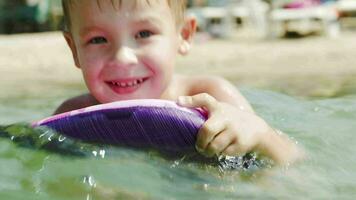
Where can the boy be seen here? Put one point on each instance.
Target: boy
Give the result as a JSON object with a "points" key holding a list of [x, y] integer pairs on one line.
{"points": [[126, 49]]}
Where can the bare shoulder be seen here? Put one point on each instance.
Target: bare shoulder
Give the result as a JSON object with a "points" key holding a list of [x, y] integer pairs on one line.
{"points": [[212, 85], [210, 80], [218, 87], [77, 102], [191, 82]]}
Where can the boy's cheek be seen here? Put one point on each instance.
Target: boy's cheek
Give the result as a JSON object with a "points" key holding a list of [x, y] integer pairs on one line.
{"points": [[162, 49], [90, 58]]}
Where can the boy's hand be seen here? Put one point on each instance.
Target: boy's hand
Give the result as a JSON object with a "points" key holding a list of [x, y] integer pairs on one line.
{"points": [[228, 130]]}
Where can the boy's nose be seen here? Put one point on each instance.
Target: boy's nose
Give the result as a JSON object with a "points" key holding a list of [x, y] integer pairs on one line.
{"points": [[126, 56]]}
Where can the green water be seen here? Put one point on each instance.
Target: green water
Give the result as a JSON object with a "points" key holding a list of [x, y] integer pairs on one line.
{"points": [[324, 127]]}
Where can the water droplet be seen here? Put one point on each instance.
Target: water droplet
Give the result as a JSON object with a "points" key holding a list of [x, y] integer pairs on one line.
{"points": [[61, 138], [206, 186], [90, 181], [50, 137], [45, 133], [175, 164], [279, 132], [102, 153]]}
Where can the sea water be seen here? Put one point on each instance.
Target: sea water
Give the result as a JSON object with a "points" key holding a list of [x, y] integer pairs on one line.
{"points": [[49, 166]]}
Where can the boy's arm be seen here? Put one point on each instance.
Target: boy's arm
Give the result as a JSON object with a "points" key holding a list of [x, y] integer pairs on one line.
{"points": [[280, 148]]}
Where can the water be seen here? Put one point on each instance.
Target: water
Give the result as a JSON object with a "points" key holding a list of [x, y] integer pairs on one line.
{"points": [[34, 168]]}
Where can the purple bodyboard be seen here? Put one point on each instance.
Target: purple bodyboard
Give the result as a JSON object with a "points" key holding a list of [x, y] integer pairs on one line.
{"points": [[153, 123]]}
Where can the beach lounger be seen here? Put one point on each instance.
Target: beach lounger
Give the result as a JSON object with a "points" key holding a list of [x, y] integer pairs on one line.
{"points": [[347, 11], [218, 20], [305, 19]]}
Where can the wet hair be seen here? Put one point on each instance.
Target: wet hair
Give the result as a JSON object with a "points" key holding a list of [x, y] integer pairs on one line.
{"points": [[177, 7]]}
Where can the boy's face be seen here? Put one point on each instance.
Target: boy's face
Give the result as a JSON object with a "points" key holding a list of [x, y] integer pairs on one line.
{"points": [[125, 52]]}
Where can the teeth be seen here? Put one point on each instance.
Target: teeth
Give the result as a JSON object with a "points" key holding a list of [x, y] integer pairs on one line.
{"points": [[128, 84]]}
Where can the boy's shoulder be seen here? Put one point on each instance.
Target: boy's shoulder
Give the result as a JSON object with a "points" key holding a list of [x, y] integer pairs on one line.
{"points": [[202, 83], [215, 86], [190, 85], [75, 103], [192, 79]]}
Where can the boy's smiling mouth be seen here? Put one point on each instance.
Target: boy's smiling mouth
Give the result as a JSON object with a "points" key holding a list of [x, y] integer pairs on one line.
{"points": [[125, 86]]}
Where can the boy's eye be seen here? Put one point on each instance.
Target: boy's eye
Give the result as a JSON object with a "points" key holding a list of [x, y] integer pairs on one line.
{"points": [[98, 40], [143, 34]]}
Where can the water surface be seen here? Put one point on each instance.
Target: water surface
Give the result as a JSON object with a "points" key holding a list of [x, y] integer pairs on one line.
{"points": [[32, 170]]}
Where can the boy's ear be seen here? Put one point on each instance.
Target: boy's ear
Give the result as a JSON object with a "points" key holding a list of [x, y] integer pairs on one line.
{"points": [[187, 33], [71, 44]]}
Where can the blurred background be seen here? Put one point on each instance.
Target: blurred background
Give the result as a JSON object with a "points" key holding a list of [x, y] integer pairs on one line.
{"points": [[294, 60], [270, 17], [304, 48]]}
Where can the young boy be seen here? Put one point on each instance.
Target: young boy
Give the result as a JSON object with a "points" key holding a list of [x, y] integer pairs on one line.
{"points": [[126, 49]]}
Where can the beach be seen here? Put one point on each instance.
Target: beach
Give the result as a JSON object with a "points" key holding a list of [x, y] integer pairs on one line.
{"points": [[312, 67]]}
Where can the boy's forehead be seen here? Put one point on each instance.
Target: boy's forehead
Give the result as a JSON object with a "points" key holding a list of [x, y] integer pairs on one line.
{"points": [[86, 13], [104, 5], [92, 9]]}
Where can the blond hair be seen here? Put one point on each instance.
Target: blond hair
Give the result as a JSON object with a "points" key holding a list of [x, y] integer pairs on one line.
{"points": [[177, 7]]}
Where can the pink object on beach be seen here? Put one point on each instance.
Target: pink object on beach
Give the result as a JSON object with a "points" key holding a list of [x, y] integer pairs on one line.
{"points": [[302, 4], [153, 123]]}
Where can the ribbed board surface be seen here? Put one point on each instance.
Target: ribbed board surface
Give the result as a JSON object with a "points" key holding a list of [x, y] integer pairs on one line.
{"points": [[163, 128]]}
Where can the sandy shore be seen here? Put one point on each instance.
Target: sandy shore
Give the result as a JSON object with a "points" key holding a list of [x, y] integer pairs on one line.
{"points": [[314, 66]]}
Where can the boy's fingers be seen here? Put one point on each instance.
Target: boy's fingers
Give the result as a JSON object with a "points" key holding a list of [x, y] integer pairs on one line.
{"points": [[210, 129], [199, 100], [219, 143], [234, 150], [231, 150]]}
